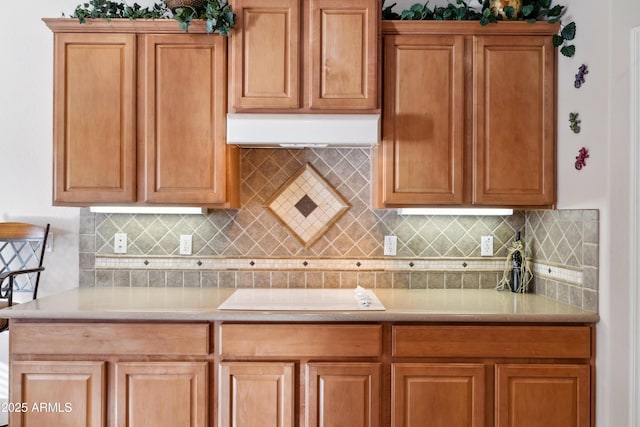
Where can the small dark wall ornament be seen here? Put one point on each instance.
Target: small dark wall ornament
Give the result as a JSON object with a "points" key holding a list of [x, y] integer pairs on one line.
{"points": [[583, 154], [574, 122], [582, 71]]}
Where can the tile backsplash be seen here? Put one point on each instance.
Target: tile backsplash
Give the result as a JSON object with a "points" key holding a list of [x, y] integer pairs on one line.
{"points": [[250, 247], [566, 240]]}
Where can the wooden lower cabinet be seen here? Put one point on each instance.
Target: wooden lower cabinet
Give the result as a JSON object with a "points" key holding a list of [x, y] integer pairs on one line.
{"points": [[438, 395], [264, 394], [105, 374], [150, 394], [254, 394], [498, 375], [57, 393], [120, 374], [343, 394], [324, 375], [543, 395]]}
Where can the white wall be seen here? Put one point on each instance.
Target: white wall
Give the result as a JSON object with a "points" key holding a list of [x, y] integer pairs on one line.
{"points": [[26, 135], [605, 184]]}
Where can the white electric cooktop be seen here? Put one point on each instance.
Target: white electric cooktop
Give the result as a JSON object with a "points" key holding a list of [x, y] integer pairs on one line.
{"points": [[303, 299]]}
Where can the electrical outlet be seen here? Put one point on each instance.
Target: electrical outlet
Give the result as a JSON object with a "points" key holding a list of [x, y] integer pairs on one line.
{"points": [[486, 246], [186, 241], [390, 245], [120, 243]]}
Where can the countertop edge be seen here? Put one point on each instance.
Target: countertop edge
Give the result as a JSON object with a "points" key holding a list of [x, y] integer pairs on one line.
{"points": [[307, 317]]}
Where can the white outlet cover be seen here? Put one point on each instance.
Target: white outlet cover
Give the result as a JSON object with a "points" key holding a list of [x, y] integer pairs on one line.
{"points": [[486, 246], [390, 245], [120, 243], [186, 241]]}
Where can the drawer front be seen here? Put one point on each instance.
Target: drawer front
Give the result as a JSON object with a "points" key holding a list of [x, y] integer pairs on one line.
{"points": [[492, 341], [164, 339], [295, 341]]}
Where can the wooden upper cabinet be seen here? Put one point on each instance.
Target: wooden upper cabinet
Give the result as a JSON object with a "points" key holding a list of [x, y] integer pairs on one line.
{"points": [[469, 115], [514, 138], [182, 119], [94, 118], [295, 56], [423, 120], [265, 54], [140, 115], [343, 43]]}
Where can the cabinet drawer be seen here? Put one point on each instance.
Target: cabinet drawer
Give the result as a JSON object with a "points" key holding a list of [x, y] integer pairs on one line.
{"points": [[294, 341], [492, 341], [110, 338]]}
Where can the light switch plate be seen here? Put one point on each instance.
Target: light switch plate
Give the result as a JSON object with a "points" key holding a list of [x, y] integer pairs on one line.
{"points": [[120, 243], [486, 246]]}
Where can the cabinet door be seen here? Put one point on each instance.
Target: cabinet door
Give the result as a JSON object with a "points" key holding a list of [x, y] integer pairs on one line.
{"points": [[343, 54], [265, 54], [69, 394], [182, 123], [150, 394], [542, 395], [438, 395], [514, 105], [343, 395], [256, 394], [94, 117], [422, 156]]}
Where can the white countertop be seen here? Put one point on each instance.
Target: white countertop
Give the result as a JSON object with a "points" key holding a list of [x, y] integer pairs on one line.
{"points": [[201, 304]]}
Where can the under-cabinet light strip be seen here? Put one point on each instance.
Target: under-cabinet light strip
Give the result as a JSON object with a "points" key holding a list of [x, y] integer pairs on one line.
{"points": [[149, 210], [455, 211]]}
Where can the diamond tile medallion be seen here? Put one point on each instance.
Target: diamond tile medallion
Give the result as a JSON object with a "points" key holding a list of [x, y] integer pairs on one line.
{"points": [[307, 205]]}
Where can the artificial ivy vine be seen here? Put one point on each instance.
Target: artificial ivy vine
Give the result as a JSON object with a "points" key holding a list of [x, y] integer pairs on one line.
{"points": [[532, 11], [216, 13]]}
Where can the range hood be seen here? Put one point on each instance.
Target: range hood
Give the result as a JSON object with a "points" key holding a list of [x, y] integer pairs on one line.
{"points": [[303, 130]]}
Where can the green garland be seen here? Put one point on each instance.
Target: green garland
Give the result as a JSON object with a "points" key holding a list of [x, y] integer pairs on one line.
{"points": [[217, 13], [532, 11]]}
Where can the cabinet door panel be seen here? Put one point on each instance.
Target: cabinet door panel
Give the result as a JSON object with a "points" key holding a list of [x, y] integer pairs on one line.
{"points": [[70, 394], [343, 395], [94, 118], [437, 395], [343, 43], [514, 102], [150, 394], [183, 121], [256, 393], [423, 115], [542, 395], [265, 54]]}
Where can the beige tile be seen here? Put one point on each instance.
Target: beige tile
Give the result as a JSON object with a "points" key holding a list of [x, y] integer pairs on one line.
{"points": [[453, 280], [435, 280], [384, 279], [401, 280], [418, 280]]}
